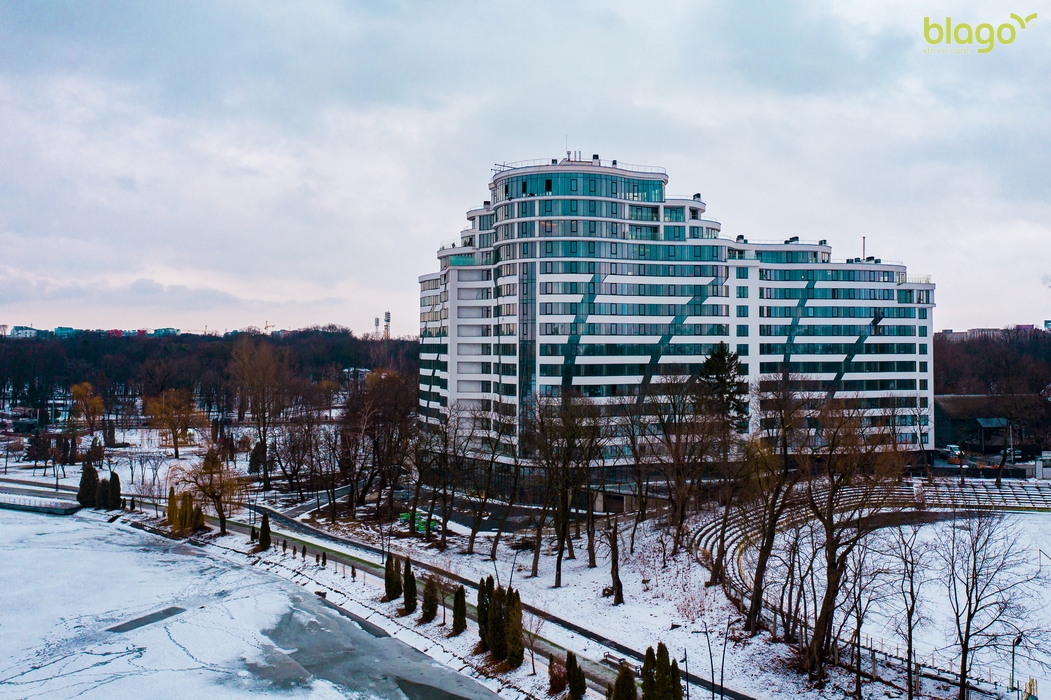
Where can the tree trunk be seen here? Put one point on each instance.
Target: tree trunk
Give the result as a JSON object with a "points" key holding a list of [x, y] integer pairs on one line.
{"points": [[614, 565], [720, 557], [503, 518], [755, 606], [591, 530]]}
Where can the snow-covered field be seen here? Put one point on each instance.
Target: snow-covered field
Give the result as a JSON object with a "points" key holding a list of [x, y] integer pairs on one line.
{"points": [[65, 582]]}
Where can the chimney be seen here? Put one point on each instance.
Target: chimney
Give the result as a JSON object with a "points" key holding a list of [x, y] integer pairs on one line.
{"points": [[594, 159]]}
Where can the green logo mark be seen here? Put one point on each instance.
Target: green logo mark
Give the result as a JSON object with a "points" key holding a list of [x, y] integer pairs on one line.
{"points": [[984, 34]]}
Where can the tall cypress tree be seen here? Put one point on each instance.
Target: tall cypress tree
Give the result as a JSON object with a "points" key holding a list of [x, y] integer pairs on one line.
{"points": [[674, 691], [624, 687], [515, 636], [430, 599], [459, 611], [483, 614], [392, 577], [662, 675], [102, 495], [264, 533], [114, 491], [497, 632], [409, 587], [575, 676], [89, 483], [649, 670], [173, 508]]}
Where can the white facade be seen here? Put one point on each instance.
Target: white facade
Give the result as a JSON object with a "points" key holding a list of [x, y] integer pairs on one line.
{"points": [[584, 274]]}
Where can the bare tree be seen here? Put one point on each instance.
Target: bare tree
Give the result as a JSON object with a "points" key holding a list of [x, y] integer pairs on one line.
{"points": [[531, 627], [567, 444], [771, 473], [261, 375], [215, 482], [853, 470], [173, 412], [910, 556], [989, 583]]}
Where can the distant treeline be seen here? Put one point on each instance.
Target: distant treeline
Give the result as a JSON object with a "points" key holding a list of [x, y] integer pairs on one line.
{"points": [[1016, 362], [33, 371]]}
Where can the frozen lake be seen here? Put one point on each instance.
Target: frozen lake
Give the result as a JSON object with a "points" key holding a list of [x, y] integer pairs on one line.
{"points": [[97, 610]]}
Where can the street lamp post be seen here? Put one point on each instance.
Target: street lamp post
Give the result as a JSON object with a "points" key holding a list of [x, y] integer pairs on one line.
{"points": [[1014, 645], [686, 661]]}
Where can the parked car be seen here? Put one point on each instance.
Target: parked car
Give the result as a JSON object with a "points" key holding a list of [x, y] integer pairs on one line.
{"points": [[951, 451]]}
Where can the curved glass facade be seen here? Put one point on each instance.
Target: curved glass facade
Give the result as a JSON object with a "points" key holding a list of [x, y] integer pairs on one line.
{"points": [[585, 277]]}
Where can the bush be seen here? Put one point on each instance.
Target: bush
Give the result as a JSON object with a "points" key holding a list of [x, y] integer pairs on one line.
{"points": [[89, 484], [556, 675], [430, 600], [459, 611]]}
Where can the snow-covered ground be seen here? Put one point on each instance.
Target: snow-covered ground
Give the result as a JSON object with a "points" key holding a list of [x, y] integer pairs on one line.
{"points": [[239, 630]]}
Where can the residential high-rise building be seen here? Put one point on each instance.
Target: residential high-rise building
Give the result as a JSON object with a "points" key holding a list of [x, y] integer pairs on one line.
{"points": [[585, 275]]}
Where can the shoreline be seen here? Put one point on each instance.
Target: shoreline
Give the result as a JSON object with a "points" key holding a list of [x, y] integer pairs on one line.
{"points": [[367, 613]]}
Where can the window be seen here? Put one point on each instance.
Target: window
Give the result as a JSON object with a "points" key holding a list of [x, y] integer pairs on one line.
{"points": [[695, 213], [742, 312], [523, 187], [742, 331], [923, 385], [742, 292], [742, 350], [923, 313], [674, 214], [923, 366], [572, 226], [591, 185], [742, 273], [547, 186], [923, 331], [923, 348], [572, 185]]}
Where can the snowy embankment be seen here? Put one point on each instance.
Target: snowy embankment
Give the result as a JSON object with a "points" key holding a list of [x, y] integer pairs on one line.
{"points": [[666, 600]]}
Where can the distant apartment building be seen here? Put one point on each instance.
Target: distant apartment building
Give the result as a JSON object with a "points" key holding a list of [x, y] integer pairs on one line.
{"points": [[584, 275]]}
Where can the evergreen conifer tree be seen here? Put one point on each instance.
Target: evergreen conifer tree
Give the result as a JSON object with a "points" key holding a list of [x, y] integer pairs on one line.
{"points": [[198, 518], [649, 671], [483, 614], [133, 504], [674, 691], [173, 508], [102, 495], [430, 599], [114, 491], [388, 572], [575, 677], [662, 680], [284, 543], [89, 483], [624, 687], [251, 534], [409, 587], [324, 559], [187, 515], [459, 611], [317, 558], [264, 533], [515, 633], [497, 628]]}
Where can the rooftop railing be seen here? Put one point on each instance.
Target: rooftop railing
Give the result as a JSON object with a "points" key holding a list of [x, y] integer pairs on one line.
{"points": [[551, 162]]}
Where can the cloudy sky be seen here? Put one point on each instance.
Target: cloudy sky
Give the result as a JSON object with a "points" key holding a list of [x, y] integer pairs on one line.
{"points": [[227, 164]]}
